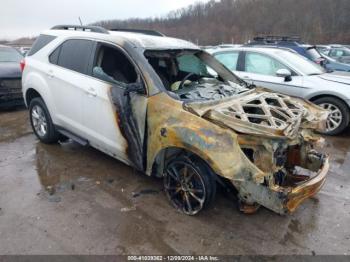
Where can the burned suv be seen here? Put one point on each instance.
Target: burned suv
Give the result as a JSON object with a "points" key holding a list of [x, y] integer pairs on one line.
{"points": [[170, 110]]}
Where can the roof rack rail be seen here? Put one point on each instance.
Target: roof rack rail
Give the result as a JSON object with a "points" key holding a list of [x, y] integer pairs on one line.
{"points": [[140, 31], [277, 39], [94, 29]]}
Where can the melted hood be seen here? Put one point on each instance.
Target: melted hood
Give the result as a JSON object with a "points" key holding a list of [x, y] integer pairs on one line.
{"points": [[260, 112]]}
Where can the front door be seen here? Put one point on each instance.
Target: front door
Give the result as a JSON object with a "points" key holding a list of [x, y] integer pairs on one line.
{"points": [[115, 119], [260, 70]]}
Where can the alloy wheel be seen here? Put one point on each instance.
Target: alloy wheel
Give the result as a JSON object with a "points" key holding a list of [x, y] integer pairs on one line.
{"points": [[185, 187], [39, 121], [335, 118]]}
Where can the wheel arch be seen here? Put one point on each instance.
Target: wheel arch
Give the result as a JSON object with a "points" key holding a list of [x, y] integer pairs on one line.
{"points": [[315, 97], [30, 94], [167, 153]]}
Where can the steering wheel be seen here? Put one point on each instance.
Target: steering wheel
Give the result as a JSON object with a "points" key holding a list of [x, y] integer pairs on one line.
{"points": [[185, 79]]}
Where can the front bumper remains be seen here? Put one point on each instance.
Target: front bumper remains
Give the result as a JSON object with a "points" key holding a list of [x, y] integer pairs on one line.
{"points": [[307, 189]]}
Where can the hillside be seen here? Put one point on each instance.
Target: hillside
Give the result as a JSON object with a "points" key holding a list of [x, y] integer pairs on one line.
{"points": [[237, 21]]}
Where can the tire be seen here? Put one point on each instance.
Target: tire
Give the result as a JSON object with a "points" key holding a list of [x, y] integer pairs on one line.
{"points": [[192, 195], [41, 122], [339, 118]]}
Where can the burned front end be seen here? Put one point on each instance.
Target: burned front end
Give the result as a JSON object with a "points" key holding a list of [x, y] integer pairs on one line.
{"points": [[279, 166]]}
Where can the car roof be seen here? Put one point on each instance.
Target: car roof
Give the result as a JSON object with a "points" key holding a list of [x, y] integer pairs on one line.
{"points": [[265, 49], [137, 39]]}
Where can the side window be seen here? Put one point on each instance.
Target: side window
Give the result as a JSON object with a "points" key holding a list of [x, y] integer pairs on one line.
{"points": [[113, 66], [262, 64], [75, 55], [40, 42], [336, 53], [228, 59]]}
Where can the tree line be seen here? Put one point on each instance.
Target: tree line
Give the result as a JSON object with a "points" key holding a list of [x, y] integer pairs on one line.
{"points": [[237, 21]]}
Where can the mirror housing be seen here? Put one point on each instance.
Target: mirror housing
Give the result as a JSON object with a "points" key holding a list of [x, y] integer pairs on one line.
{"points": [[284, 73], [135, 88]]}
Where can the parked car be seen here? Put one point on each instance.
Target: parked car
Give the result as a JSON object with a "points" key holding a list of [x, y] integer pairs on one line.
{"points": [[332, 64], [286, 72], [323, 49], [340, 53], [309, 51], [10, 77], [293, 43], [150, 102]]}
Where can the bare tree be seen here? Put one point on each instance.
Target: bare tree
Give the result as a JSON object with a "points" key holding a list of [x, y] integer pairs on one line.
{"points": [[226, 21]]}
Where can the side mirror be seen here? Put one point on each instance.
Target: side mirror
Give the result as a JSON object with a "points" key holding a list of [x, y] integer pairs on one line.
{"points": [[137, 87], [284, 73]]}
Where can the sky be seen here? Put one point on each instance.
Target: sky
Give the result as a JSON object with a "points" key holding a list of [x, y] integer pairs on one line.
{"points": [[19, 18]]}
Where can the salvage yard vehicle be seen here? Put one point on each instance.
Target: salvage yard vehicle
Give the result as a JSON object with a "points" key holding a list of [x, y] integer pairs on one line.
{"points": [[284, 71], [293, 43], [337, 52], [10, 77], [150, 102], [311, 52]]}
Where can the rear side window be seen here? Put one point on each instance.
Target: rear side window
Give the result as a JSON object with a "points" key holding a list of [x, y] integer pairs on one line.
{"points": [[40, 42], [53, 58], [228, 59], [74, 55]]}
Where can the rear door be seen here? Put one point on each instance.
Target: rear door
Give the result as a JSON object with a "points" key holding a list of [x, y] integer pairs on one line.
{"points": [[260, 70], [69, 80]]}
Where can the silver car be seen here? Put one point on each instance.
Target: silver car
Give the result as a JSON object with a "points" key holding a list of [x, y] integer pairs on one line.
{"points": [[283, 70]]}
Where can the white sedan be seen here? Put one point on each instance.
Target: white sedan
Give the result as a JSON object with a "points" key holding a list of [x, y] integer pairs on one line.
{"points": [[284, 71]]}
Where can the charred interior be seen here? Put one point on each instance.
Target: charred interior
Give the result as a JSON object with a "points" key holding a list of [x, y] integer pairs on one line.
{"points": [[193, 75]]}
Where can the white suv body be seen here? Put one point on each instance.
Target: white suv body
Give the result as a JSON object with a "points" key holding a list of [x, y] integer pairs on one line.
{"points": [[150, 102], [77, 101]]}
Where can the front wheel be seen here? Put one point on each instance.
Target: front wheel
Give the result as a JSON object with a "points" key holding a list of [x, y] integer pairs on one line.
{"points": [[189, 185], [339, 116]]}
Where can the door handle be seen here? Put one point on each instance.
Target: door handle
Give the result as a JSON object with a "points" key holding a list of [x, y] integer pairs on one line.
{"points": [[246, 77], [91, 92], [50, 74]]}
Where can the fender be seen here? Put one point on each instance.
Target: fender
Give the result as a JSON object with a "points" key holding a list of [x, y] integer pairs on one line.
{"points": [[37, 80], [170, 126]]}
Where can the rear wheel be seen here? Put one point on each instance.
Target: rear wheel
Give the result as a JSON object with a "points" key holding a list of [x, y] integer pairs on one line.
{"points": [[189, 185], [41, 122], [338, 119]]}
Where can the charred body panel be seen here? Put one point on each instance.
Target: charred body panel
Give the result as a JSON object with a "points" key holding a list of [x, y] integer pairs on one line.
{"points": [[259, 112], [268, 171], [128, 126]]}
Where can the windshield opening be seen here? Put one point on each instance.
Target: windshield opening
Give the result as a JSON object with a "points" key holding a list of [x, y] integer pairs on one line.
{"points": [[194, 74], [9, 55]]}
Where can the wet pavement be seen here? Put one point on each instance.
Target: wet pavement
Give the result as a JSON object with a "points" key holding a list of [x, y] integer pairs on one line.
{"points": [[68, 199]]}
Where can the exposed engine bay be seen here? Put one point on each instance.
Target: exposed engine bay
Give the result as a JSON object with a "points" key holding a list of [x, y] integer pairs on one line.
{"points": [[209, 89]]}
